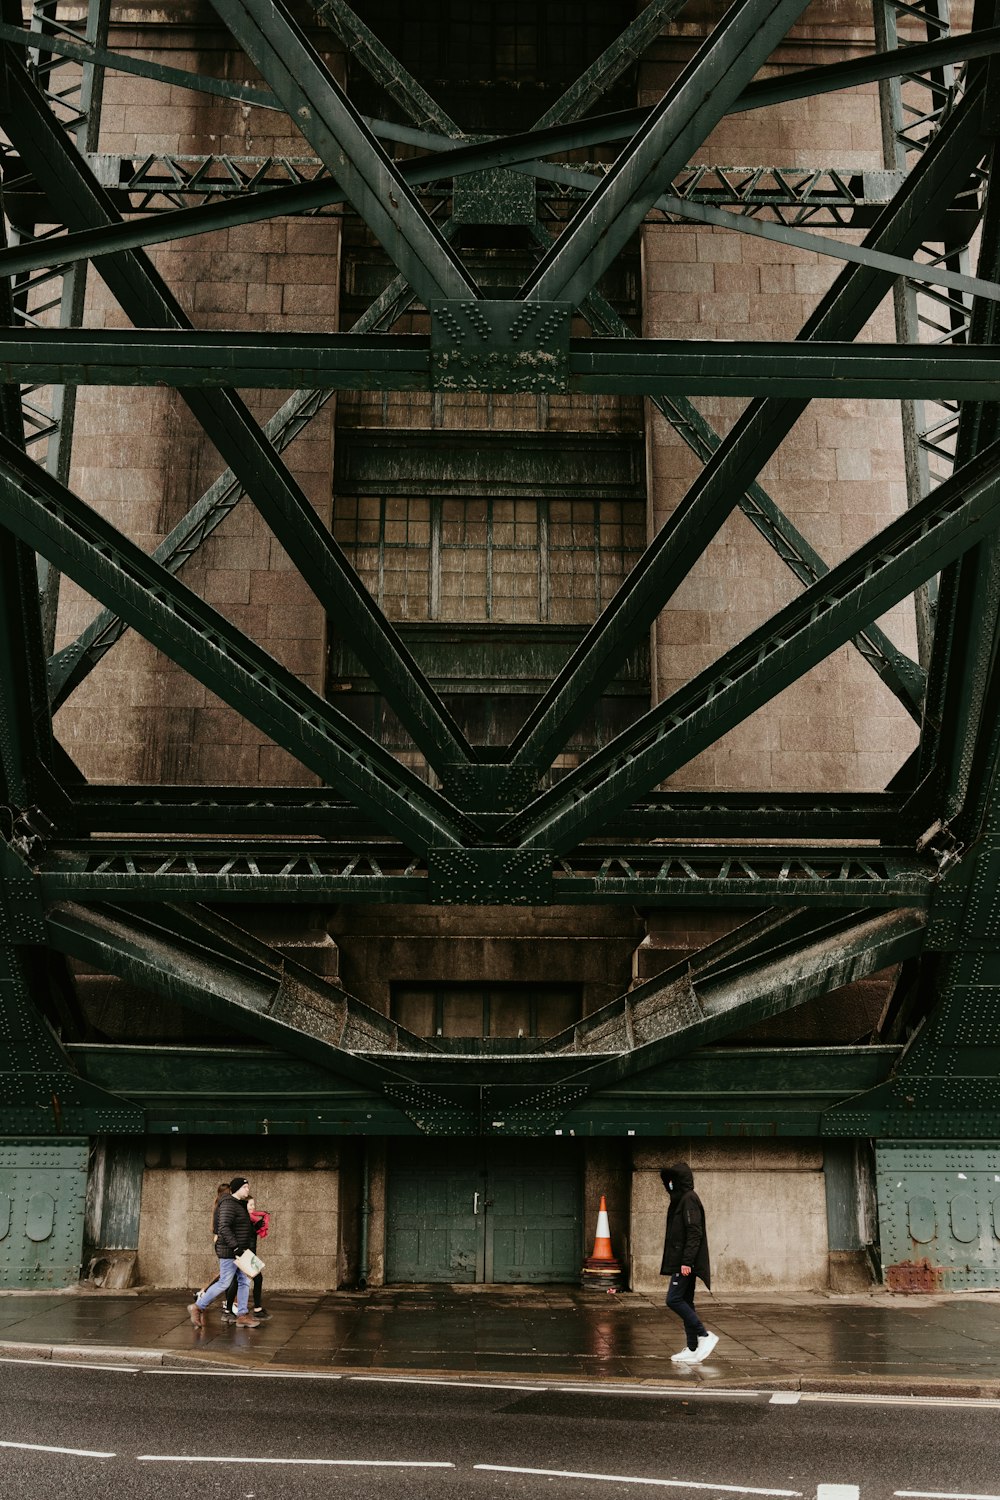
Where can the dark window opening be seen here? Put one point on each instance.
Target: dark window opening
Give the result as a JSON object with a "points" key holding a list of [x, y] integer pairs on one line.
{"points": [[508, 1011]]}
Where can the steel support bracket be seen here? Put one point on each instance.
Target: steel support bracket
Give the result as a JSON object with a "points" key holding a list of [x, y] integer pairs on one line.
{"points": [[22, 910], [498, 196], [500, 346], [489, 788], [490, 877]]}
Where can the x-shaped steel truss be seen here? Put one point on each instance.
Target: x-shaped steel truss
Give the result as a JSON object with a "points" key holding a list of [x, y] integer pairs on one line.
{"points": [[395, 838]]}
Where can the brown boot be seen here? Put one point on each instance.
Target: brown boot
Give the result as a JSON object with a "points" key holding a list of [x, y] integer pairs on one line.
{"points": [[196, 1315], [246, 1320]]}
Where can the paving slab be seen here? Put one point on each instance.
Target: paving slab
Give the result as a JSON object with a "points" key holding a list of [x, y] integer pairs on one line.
{"points": [[935, 1345]]}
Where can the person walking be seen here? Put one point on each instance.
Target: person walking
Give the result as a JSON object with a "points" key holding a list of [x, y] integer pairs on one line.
{"points": [[234, 1232], [261, 1221], [685, 1259], [222, 1191]]}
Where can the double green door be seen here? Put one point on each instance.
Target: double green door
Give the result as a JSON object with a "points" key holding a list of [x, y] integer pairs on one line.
{"points": [[501, 1212]]}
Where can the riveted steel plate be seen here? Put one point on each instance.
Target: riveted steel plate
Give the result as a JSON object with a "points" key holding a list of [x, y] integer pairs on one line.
{"points": [[44, 1186], [500, 346], [489, 788], [937, 1217], [490, 877]]}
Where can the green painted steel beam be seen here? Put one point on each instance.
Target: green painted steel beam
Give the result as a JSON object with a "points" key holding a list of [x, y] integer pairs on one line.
{"points": [[365, 48], [72, 664], [581, 97], [55, 523], [623, 53], [868, 583], [69, 46], [148, 302], [946, 1082], [286, 1007], [39, 1088], [193, 359], [723, 66], [904, 678], [329, 122], [941, 173], [179, 1072], [177, 810], [960, 717], [27, 750], [691, 874], [75, 661], [746, 1091], [689, 209], [673, 1015]]}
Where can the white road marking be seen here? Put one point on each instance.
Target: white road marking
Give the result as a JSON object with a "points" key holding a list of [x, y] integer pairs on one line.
{"points": [[483, 1385], [673, 1484], [941, 1495], [253, 1461], [686, 1392], [44, 1448], [785, 1398], [250, 1374], [874, 1399], [837, 1492], [68, 1364]]}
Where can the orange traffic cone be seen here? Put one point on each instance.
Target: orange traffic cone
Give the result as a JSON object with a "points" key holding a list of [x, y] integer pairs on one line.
{"points": [[601, 1270]]}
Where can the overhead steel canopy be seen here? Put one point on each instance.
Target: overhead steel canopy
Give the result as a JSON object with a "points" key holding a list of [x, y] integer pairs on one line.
{"points": [[856, 883]]}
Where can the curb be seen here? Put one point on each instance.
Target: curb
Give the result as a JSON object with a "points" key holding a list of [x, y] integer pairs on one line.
{"points": [[921, 1386]]}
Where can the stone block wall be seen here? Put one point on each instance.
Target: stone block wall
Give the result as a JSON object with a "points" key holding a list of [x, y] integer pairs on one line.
{"points": [[142, 459], [765, 1211], [175, 1229], [839, 475]]}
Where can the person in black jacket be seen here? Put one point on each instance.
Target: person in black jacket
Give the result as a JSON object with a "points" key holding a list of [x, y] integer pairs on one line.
{"points": [[234, 1234], [685, 1258], [260, 1225]]}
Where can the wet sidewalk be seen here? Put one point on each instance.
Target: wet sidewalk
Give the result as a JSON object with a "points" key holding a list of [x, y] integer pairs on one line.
{"points": [[935, 1345]]}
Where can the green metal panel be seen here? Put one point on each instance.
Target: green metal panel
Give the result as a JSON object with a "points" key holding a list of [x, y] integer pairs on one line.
{"points": [[939, 1217], [42, 1193]]}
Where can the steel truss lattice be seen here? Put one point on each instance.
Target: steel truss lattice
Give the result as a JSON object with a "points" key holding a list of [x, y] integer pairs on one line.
{"points": [[849, 883]]}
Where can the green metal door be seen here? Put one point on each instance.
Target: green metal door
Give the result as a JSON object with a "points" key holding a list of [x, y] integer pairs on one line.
{"points": [[43, 1188], [500, 1212], [533, 1217], [434, 1224]]}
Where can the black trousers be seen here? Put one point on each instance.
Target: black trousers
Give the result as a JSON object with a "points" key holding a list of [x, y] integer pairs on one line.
{"points": [[680, 1300], [258, 1285]]}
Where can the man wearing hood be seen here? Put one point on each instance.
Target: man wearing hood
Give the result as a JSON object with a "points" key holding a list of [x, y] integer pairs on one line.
{"points": [[685, 1258]]}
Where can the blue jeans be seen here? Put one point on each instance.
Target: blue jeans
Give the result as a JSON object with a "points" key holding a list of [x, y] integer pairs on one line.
{"points": [[680, 1300], [227, 1270]]}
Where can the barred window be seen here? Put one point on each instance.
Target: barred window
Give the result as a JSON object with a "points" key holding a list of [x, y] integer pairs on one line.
{"points": [[498, 559]]}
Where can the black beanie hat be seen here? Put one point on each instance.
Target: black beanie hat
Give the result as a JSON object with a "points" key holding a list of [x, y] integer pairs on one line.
{"points": [[236, 1184]]}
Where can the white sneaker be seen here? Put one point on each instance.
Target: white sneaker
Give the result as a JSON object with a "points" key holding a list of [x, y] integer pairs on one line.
{"points": [[706, 1344], [684, 1357]]}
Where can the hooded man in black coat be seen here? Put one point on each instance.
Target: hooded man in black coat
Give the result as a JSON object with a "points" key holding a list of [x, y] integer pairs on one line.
{"points": [[685, 1258]]}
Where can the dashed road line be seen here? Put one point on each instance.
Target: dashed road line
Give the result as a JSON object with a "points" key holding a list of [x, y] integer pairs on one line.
{"points": [[253, 1460], [47, 1448], [673, 1484], [69, 1364], [940, 1495], [482, 1385]]}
